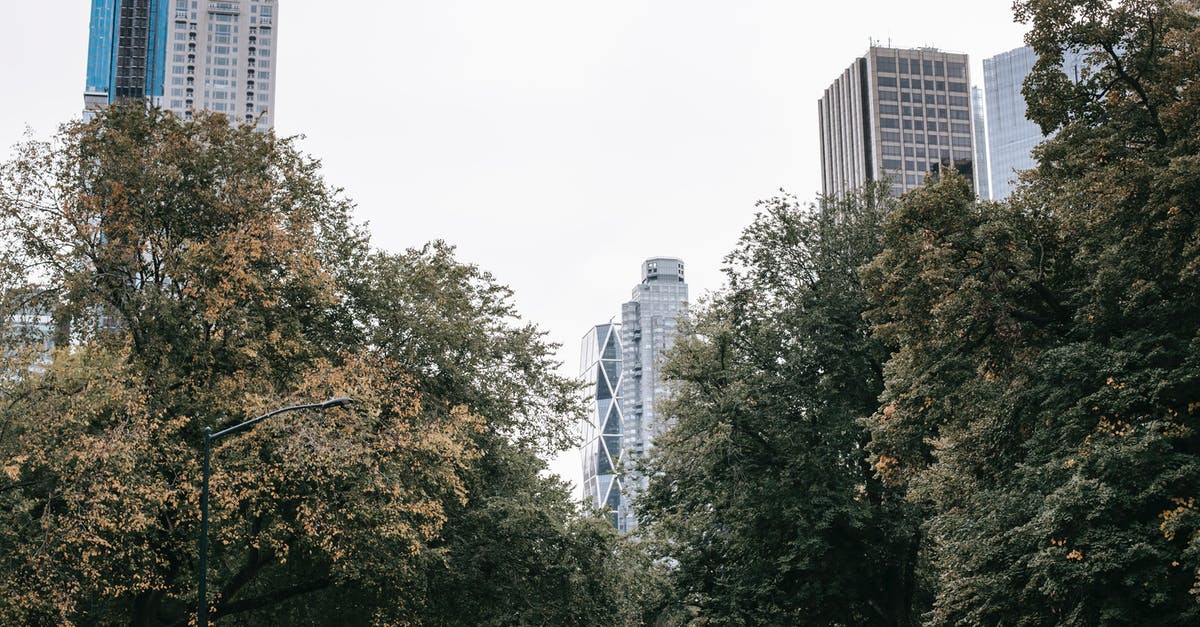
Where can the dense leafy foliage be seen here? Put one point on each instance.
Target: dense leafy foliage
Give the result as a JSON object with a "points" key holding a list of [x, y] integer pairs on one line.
{"points": [[761, 493], [1034, 379], [1043, 393], [195, 274]]}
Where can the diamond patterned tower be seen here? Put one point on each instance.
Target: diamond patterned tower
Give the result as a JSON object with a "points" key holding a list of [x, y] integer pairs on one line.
{"points": [[621, 364], [600, 366]]}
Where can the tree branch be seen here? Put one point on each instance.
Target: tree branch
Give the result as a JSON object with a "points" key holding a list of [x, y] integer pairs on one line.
{"points": [[273, 598], [1136, 86]]}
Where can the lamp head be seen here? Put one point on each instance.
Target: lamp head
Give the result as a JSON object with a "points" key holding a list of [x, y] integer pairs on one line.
{"points": [[336, 402]]}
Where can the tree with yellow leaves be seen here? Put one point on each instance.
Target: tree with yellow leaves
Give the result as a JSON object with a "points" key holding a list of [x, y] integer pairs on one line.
{"points": [[199, 274]]}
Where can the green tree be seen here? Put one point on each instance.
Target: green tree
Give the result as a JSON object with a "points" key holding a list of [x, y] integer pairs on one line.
{"points": [[1042, 394], [517, 551], [760, 493], [209, 274]]}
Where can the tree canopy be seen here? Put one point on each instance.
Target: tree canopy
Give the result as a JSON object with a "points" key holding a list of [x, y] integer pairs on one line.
{"points": [[760, 493], [969, 412], [194, 274]]}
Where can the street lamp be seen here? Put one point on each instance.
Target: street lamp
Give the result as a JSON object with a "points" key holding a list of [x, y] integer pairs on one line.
{"points": [[209, 438]]}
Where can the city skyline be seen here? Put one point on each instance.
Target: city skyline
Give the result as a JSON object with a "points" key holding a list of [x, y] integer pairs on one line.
{"points": [[541, 124]]}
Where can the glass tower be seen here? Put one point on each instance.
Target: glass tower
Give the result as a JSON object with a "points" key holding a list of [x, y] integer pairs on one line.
{"points": [[184, 55], [896, 114], [622, 365], [982, 185], [1011, 135], [127, 51], [600, 367], [649, 325]]}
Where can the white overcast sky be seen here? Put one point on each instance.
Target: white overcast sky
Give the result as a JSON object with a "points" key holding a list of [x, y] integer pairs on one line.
{"points": [[556, 143]]}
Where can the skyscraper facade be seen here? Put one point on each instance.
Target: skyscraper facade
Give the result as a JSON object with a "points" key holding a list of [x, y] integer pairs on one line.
{"points": [[1011, 135], [896, 114], [982, 184], [623, 367], [600, 367], [185, 55]]}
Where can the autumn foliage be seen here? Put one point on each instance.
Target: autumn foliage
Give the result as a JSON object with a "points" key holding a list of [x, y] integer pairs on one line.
{"points": [[195, 274]]}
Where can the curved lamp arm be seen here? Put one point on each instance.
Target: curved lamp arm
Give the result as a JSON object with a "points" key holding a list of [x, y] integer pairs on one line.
{"points": [[209, 438], [333, 402]]}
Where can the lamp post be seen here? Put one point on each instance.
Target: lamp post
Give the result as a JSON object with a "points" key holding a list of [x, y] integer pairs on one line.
{"points": [[209, 438]]}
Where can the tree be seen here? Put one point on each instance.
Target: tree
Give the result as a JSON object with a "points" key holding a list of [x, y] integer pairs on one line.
{"points": [[1044, 381], [760, 493], [516, 551], [209, 274]]}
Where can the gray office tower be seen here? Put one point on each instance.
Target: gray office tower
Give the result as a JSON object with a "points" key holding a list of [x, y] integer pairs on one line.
{"points": [[1011, 135], [896, 114], [621, 432]]}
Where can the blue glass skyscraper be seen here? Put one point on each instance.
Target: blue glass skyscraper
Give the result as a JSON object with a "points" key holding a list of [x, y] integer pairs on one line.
{"points": [[127, 51]]}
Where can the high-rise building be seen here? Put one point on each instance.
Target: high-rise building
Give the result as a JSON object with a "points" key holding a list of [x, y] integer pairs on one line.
{"points": [[896, 114], [600, 367], [982, 185], [184, 55], [625, 419], [1011, 135]]}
